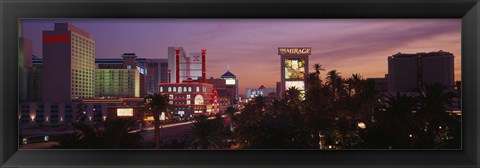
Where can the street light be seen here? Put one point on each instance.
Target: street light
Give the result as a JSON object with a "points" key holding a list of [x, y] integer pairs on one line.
{"points": [[361, 125]]}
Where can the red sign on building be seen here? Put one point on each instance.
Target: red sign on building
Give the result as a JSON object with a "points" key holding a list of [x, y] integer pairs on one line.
{"points": [[60, 38]]}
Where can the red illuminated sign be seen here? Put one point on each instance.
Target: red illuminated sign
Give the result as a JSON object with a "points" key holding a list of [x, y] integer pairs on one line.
{"points": [[61, 38]]}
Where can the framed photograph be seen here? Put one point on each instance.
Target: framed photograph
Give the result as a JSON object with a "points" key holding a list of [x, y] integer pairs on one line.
{"points": [[239, 83]]}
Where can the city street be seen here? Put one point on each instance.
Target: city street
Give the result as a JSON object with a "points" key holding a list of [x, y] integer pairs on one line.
{"points": [[167, 132]]}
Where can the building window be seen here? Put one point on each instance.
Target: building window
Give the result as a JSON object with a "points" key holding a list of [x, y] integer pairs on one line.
{"points": [[188, 102], [161, 89], [198, 89], [189, 89], [169, 89], [174, 89], [188, 97], [179, 89]]}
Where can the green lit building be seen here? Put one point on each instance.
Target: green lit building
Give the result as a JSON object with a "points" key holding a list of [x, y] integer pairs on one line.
{"points": [[115, 78], [117, 83]]}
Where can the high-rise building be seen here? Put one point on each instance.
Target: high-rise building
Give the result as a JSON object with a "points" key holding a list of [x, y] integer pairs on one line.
{"points": [[68, 64], [117, 83], [409, 72], [157, 73], [174, 64], [294, 68], [24, 66], [119, 77], [142, 64], [34, 88], [128, 61], [182, 67]]}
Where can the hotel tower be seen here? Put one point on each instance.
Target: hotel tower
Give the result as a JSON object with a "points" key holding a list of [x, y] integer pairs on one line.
{"points": [[69, 64]]}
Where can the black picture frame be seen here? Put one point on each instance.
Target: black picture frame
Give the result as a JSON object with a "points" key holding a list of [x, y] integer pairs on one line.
{"points": [[11, 11]]}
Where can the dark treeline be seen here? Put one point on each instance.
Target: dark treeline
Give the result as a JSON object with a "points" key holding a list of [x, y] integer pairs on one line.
{"points": [[349, 113]]}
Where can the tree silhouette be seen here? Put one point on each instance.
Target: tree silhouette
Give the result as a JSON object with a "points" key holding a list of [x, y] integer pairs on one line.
{"points": [[157, 104], [115, 134]]}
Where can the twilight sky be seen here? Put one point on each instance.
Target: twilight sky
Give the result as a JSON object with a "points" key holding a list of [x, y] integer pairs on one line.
{"points": [[249, 46]]}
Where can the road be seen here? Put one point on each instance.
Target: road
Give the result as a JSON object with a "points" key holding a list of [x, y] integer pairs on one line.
{"points": [[167, 132]]}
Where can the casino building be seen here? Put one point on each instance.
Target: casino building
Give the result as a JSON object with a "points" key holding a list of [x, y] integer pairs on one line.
{"points": [[69, 64], [120, 77], [189, 97], [182, 67], [409, 72], [294, 67], [227, 90]]}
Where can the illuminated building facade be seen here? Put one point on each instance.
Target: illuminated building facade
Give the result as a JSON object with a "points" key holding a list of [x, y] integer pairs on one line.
{"points": [[119, 78], [188, 98], [294, 67], [117, 83], [109, 109], [408, 72], [183, 67], [38, 114], [227, 90], [68, 64], [231, 83]]}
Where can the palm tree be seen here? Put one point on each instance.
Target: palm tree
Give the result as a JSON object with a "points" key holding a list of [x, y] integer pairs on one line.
{"points": [[434, 99], [399, 120], [292, 95], [116, 134], [119, 134], [157, 104], [248, 131], [335, 83], [207, 134], [318, 68]]}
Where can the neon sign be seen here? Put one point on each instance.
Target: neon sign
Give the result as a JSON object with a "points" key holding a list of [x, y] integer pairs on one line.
{"points": [[125, 112], [294, 51], [60, 38]]}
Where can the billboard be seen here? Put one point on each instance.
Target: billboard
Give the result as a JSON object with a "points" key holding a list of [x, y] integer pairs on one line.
{"points": [[124, 112], [230, 81], [295, 68]]}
